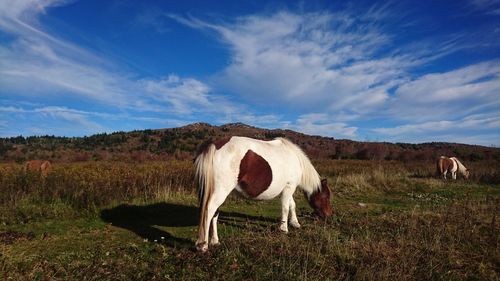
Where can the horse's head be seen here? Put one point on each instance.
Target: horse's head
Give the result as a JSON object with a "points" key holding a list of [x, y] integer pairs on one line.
{"points": [[320, 201], [466, 174]]}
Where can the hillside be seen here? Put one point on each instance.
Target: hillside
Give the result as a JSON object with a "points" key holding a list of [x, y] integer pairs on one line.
{"points": [[182, 142]]}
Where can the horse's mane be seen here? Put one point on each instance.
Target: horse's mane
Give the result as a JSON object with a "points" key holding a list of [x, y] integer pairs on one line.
{"points": [[461, 167], [310, 181]]}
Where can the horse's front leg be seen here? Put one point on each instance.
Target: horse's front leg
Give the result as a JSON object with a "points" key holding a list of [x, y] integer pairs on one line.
{"points": [[293, 216]]}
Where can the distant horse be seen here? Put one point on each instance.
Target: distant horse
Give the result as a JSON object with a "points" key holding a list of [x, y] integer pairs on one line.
{"points": [[39, 166], [452, 165], [259, 170]]}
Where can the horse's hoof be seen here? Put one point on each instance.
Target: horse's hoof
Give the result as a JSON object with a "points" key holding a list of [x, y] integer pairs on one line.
{"points": [[295, 224], [284, 229], [202, 247], [214, 244]]}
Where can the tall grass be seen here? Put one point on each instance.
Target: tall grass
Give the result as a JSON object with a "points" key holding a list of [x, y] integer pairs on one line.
{"points": [[95, 184], [90, 185]]}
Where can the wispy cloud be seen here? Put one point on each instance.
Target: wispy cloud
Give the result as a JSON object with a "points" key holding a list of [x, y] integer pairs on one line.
{"points": [[482, 129], [61, 120], [491, 7], [36, 64], [15, 14], [346, 65], [333, 62], [184, 95], [320, 124], [457, 93], [57, 120]]}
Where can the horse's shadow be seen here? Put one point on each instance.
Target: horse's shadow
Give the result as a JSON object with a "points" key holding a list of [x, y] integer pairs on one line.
{"points": [[144, 221]]}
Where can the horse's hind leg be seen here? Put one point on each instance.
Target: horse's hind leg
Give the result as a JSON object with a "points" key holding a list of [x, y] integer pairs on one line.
{"points": [[217, 198], [293, 216]]}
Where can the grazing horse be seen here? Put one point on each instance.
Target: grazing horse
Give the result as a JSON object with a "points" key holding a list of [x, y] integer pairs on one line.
{"points": [[39, 166], [452, 165], [259, 170]]}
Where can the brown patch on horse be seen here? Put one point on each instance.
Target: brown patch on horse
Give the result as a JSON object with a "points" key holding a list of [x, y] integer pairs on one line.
{"points": [[444, 164], [203, 148], [206, 144], [221, 142], [40, 166], [255, 174]]}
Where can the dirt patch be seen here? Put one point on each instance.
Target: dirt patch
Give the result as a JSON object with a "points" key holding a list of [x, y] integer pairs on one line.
{"points": [[10, 237]]}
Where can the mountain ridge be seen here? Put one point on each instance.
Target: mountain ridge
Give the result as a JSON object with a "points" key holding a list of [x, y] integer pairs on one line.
{"points": [[182, 142]]}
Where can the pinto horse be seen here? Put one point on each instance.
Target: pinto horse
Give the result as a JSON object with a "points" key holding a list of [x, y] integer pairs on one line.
{"points": [[39, 166], [452, 165], [259, 170]]}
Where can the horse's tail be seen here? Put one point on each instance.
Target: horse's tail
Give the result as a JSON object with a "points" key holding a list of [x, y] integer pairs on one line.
{"points": [[204, 175], [440, 167]]}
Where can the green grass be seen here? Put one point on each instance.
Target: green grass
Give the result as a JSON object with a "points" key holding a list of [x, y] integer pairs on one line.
{"points": [[384, 228]]}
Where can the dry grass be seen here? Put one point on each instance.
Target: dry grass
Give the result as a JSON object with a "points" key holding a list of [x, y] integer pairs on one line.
{"points": [[94, 184], [91, 185]]}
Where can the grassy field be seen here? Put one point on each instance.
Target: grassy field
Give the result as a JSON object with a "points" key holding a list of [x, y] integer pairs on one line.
{"points": [[125, 221]]}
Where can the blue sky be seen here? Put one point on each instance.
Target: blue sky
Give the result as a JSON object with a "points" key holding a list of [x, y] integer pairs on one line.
{"points": [[398, 71]]}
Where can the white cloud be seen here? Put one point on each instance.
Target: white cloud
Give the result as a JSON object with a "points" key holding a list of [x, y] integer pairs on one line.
{"points": [[15, 13], [185, 95], [36, 64], [479, 129], [438, 126], [320, 124], [34, 68], [457, 93], [75, 119], [61, 120], [18, 8], [309, 62], [50, 119], [481, 78], [487, 6], [260, 120]]}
